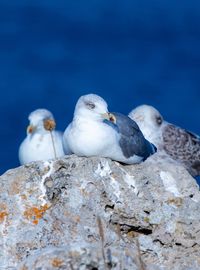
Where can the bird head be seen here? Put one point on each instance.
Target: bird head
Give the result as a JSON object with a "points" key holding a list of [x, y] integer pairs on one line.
{"points": [[41, 120]]}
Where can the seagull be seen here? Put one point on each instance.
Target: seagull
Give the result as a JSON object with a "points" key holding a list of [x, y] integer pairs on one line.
{"points": [[177, 143], [96, 132], [42, 141]]}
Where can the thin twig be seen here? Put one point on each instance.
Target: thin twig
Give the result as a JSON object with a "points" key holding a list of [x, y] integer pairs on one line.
{"points": [[53, 143], [120, 237], [101, 233], [50, 124], [142, 265]]}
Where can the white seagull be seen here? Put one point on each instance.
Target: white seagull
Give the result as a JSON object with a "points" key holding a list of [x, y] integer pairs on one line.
{"points": [[42, 141], [96, 132], [178, 143]]}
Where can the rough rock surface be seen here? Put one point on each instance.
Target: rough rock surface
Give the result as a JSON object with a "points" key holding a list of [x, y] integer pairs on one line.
{"points": [[93, 213]]}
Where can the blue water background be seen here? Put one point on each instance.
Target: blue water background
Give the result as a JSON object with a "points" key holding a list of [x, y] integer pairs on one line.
{"points": [[129, 52]]}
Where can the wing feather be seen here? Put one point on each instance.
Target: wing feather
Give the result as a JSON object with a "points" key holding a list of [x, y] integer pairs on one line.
{"points": [[132, 141], [183, 146]]}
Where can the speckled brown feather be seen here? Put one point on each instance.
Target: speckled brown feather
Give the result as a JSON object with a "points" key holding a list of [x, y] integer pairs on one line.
{"points": [[182, 146]]}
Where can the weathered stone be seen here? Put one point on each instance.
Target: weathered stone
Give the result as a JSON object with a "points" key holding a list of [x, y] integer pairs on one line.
{"points": [[93, 213]]}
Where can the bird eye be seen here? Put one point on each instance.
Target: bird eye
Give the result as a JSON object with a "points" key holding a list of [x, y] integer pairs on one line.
{"points": [[159, 120], [90, 105]]}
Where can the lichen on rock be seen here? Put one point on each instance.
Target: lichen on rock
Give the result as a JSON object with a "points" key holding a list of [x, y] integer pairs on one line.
{"points": [[94, 213]]}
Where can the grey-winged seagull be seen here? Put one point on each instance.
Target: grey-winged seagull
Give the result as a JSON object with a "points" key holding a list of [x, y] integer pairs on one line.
{"points": [[96, 132]]}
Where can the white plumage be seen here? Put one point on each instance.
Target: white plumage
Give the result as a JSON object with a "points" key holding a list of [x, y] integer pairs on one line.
{"points": [[92, 133], [87, 134], [38, 144], [150, 122]]}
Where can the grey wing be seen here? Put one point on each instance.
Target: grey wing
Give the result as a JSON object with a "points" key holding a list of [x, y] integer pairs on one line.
{"points": [[132, 141], [126, 125], [184, 146], [135, 145]]}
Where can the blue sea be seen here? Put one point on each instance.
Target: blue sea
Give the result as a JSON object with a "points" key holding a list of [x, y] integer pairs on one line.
{"points": [[129, 52]]}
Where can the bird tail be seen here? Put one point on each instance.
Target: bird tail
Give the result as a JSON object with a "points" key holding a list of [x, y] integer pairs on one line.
{"points": [[154, 148], [151, 149]]}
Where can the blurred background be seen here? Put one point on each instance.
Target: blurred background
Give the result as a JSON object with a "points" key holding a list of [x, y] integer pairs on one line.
{"points": [[129, 52]]}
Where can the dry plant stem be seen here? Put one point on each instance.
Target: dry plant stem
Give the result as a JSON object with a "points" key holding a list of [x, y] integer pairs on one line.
{"points": [[53, 144], [101, 233], [120, 237], [142, 265], [50, 124]]}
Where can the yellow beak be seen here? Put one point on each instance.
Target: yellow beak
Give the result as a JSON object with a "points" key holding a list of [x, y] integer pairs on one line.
{"points": [[105, 116], [110, 117]]}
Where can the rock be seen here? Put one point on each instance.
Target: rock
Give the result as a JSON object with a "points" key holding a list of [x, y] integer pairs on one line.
{"points": [[93, 213]]}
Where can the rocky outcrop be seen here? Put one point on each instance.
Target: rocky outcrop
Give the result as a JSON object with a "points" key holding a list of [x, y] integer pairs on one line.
{"points": [[93, 213]]}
